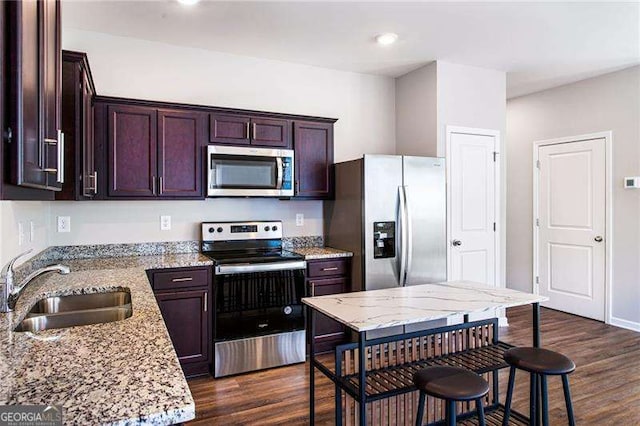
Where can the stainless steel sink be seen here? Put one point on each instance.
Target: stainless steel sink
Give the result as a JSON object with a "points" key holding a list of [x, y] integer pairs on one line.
{"points": [[77, 310], [57, 304]]}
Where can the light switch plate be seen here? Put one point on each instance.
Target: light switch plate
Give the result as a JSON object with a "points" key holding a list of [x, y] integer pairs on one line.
{"points": [[165, 223], [64, 223], [299, 219]]}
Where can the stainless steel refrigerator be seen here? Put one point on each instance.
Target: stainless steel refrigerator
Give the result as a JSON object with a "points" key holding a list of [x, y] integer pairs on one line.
{"points": [[390, 211]]}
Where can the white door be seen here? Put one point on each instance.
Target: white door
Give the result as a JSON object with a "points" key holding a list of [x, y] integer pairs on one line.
{"points": [[571, 226], [472, 203]]}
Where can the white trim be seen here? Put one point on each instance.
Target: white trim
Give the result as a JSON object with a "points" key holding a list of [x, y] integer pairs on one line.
{"points": [[608, 280], [623, 323], [497, 217]]}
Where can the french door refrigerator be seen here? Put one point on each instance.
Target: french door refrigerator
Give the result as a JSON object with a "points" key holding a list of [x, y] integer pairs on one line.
{"points": [[390, 211]]}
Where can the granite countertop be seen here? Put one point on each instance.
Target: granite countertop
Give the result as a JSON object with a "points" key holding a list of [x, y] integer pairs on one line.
{"points": [[376, 309], [123, 373], [314, 253]]}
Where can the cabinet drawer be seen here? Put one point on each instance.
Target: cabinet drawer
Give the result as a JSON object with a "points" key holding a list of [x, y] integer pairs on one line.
{"points": [[177, 279], [327, 268]]}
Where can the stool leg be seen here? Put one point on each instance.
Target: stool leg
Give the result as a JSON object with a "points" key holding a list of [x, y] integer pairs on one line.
{"points": [[545, 400], [480, 410], [507, 404], [567, 399], [533, 400], [420, 413], [452, 413]]}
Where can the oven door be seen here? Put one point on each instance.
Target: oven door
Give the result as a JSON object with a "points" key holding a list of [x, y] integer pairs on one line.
{"points": [[257, 303], [244, 172]]}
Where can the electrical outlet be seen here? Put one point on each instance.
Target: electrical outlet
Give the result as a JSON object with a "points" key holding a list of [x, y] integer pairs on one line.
{"points": [[299, 219], [64, 223], [20, 233], [32, 231], [165, 223]]}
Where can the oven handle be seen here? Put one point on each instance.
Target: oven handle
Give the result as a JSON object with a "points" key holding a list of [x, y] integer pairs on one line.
{"points": [[280, 173], [241, 268]]}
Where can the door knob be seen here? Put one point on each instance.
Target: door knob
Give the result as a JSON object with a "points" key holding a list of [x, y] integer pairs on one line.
{"points": [[456, 243], [598, 239]]}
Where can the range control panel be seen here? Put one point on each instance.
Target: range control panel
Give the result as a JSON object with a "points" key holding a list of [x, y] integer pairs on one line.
{"points": [[384, 240], [229, 231]]}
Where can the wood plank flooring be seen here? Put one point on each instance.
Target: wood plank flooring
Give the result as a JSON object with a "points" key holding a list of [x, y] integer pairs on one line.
{"points": [[605, 386]]}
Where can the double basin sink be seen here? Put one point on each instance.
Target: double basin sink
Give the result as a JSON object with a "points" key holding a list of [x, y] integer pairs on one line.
{"points": [[75, 310]]}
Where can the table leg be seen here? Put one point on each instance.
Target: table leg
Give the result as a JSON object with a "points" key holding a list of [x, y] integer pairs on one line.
{"points": [[312, 377], [362, 373], [536, 325]]}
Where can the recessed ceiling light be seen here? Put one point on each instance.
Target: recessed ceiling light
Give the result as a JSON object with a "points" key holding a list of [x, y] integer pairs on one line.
{"points": [[188, 2], [387, 38]]}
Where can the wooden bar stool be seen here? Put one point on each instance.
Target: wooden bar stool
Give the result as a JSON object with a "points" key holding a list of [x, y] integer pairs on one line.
{"points": [[540, 363], [451, 384]]}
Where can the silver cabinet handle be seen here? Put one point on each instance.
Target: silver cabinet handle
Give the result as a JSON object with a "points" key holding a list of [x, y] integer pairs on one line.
{"points": [[205, 300], [253, 134], [60, 178], [333, 268], [456, 243], [153, 185], [160, 185], [95, 183], [181, 280], [313, 289], [598, 239], [248, 131]]}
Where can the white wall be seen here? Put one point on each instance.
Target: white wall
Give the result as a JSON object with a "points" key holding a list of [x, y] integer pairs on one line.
{"points": [[417, 112], [14, 212], [609, 102], [133, 68]]}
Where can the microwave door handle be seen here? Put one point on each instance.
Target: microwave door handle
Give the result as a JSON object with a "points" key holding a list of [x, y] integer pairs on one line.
{"points": [[279, 173]]}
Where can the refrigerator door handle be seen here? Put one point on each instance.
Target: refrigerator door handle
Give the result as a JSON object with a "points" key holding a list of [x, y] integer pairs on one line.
{"points": [[402, 214], [409, 234]]}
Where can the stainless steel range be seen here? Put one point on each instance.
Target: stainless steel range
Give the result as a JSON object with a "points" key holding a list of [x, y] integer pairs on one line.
{"points": [[258, 287]]}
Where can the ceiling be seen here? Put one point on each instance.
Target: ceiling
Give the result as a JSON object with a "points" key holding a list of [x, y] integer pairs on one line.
{"points": [[539, 45]]}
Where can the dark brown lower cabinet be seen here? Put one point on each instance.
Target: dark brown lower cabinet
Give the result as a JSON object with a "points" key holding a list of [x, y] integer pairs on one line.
{"points": [[329, 332], [186, 309]]}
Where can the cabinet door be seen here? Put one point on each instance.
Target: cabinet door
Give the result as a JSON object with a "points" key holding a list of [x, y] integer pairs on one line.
{"points": [[89, 172], [313, 144], [26, 157], [327, 328], [229, 129], [270, 132], [133, 149], [181, 139], [186, 316], [50, 90]]}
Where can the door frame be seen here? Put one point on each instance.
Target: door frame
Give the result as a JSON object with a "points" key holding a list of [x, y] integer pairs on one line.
{"points": [[608, 223], [497, 235]]}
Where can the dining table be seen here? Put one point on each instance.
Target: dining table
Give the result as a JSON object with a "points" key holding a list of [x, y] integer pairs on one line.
{"points": [[375, 366]]}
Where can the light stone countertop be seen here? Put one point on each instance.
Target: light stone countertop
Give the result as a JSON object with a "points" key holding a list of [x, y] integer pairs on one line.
{"points": [[315, 253], [119, 373], [376, 309]]}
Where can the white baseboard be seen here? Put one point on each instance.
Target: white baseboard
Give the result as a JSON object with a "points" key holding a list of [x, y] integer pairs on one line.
{"points": [[622, 323]]}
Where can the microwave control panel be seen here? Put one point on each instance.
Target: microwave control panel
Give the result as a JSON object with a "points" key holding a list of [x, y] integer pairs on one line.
{"points": [[287, 172], [384, 240]]}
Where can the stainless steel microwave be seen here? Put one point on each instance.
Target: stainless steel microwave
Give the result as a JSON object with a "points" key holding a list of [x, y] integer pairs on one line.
{"points": [[249, 172]]}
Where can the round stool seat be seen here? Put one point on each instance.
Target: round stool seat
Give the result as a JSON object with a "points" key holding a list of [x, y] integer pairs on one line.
{"points": [[539, 361], [451, 383]]}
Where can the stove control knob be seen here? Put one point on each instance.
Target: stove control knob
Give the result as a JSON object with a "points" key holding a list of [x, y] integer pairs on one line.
{"points": [[266, 228], [287, 310], [274, 228], [212, 230], [220, 229]]}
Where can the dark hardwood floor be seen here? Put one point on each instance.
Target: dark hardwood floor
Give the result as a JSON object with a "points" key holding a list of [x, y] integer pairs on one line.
{"points": [[605, 386]]}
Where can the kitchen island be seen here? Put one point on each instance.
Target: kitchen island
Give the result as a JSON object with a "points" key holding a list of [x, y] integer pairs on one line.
{"points": [[117, 373], [389, 362]]}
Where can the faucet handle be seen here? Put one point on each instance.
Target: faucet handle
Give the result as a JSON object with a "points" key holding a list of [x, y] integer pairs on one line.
{"points": [[8, 268]]}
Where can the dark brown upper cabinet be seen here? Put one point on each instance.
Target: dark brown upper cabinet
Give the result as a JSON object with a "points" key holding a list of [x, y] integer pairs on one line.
{"points": [[181, 141], [246, 130], [33, 128], [80, 172], [313, 145], [154, 153]]}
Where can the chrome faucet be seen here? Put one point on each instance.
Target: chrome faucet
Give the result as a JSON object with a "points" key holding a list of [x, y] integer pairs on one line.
{"points": [[10, 292]]}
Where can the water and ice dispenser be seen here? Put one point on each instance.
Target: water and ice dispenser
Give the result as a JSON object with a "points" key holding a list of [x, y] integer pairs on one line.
{"points": [[384, 240]]}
